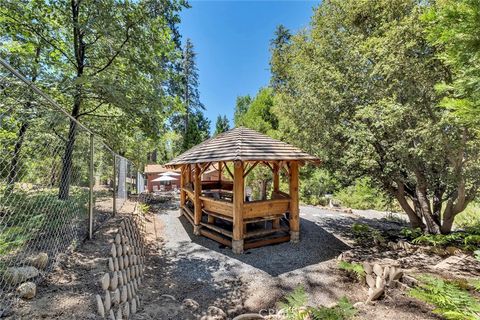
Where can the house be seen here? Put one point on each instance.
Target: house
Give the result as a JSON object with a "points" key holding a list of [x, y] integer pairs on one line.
{"points": [[153, 171]]}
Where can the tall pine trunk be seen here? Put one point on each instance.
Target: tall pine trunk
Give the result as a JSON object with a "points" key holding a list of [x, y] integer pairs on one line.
{"points": [[79, 50]]}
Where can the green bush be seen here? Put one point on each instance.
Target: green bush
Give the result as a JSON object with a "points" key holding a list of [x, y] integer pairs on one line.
{"points": [[363, 196], [366, 235], [470, 217], [411, 233], [295, 308], [450, 300], [316, 183], [27, 214]]}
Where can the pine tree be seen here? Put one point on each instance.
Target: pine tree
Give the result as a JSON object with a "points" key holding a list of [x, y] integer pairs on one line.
{"points": [[279, 61], [191, 95], [222, 125]]}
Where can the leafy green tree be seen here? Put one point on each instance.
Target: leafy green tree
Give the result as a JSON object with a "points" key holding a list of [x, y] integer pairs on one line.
{"points": [[360, 94], [259, 115], [26, 52], [222, 125], [113, 57], [241, 106], [453, 26]]}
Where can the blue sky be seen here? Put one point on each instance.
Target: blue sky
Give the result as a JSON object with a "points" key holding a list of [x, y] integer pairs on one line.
{"points": [[232, 39]]}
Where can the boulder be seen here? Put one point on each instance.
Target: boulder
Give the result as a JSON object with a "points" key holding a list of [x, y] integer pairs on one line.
{"points": [[118, 239], [126, 310], [379, 282], [377, 293], [113, 251], [386, 271], [367, 267], [216, 313], [190, 304], [39, 261], [27, 290], [105, 281], [114, 281], [377, 269], [111, 265], [133, 306], [107, 301], [16, 275], [370, 280], [100, 306]]}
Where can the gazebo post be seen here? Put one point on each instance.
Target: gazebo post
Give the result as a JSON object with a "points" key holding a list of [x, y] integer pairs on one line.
{"points": [[294, 204], [197, 216], [220, 170], [238, 199], [276, 188], [182, 186]]}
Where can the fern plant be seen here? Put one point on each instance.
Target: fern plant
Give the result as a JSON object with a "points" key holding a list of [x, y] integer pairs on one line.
{"points": [[295, 308], [294, 304], [342, 311], [354, 268], [450, 300]]}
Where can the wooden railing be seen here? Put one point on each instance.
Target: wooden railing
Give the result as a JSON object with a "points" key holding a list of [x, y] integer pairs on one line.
{"points": [[264, 208], [218, 206]]}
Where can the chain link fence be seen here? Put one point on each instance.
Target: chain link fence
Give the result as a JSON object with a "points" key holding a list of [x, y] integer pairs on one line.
{"points": [[58, 183]]}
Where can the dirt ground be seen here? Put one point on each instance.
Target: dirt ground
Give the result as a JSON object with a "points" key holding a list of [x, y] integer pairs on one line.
{"points": [[187, 274]]}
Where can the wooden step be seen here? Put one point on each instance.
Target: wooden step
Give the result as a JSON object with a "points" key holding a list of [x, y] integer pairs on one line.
{"points": [[258, 233], [217, 229], [265, 242], [215, 237]]}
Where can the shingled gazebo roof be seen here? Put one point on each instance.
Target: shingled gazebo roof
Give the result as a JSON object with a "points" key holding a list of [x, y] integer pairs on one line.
{"points": [[241, 144]]}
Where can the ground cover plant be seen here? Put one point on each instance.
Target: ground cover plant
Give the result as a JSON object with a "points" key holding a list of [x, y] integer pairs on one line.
{"points": [[451, 299], [295, 308]]}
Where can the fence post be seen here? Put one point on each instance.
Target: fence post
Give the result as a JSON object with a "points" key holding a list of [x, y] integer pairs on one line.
{"points": [[91, 179], [114, 184]]}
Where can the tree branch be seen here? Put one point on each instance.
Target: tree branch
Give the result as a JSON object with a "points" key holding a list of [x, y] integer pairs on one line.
{"points": [[110, 61], [50, 42], [92, 110]]}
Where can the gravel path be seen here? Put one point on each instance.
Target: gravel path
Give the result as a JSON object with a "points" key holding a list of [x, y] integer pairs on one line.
{"points": [[197, 268]]}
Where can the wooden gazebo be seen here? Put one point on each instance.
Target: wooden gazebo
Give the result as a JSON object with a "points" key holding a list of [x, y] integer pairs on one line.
{"points": [[219, 210]]}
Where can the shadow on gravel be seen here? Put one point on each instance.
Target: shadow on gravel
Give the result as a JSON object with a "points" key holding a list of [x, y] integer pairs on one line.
{"points": [[316, 245], [342, 226]]}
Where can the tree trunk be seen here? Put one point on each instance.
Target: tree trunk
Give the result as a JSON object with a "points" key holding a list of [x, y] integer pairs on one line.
{"points": [[415, 220], [79, 51], [424, 204], [12, 174], [263, 189], [67, 161]]}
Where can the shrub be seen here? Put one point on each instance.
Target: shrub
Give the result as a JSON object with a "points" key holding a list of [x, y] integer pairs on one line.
{"points": [[353, 268], [316, 183], [367, 235], [468, 240], [411, 233], [363, 196], [342, 311], [450, 300], [470, 217]]}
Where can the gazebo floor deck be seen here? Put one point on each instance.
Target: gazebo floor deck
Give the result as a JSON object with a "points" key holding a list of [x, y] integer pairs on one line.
{"points": [[255, 234]]}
